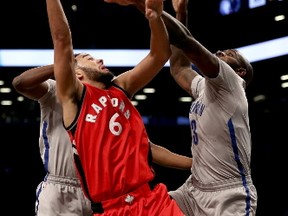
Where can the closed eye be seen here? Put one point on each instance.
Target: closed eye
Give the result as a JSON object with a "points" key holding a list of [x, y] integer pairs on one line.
{"points": [[231, 53]]}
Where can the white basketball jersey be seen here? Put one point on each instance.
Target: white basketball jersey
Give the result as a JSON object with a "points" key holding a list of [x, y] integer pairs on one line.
{"points": [[221, 140], [54, 143]]}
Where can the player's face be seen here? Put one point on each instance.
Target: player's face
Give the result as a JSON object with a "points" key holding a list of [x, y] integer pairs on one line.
{"points": [[93, 68], [237, 62], [88, 61], [230, 56]]}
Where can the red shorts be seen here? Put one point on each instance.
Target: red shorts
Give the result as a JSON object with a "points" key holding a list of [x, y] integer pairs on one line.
{"points": [[142, 202]]}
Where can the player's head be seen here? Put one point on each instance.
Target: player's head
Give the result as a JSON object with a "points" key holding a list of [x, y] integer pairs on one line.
{"points": [[238, 62], [88, 67]]}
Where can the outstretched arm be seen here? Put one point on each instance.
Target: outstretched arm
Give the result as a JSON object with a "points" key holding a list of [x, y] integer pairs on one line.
{"points": [[68, 86], [180, 66], [164, 157], [181, 37], [178, 33], [159, 53], [181, 10], [31, 83]]}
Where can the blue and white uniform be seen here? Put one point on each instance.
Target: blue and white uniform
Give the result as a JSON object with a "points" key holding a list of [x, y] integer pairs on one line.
{"points": [[59, 194], [220, 183]]}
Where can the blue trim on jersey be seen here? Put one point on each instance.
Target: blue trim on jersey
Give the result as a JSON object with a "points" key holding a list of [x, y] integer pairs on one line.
{"points": [[239, 164], [37, 197], [46, 144]]}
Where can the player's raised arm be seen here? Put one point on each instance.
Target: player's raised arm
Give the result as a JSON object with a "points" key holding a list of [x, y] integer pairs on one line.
{"points": [[158, 55], [69, 87]]}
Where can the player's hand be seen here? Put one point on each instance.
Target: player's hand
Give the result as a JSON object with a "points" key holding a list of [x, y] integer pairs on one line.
{"points": [[153, 8], [180, 6], [121, 2]]}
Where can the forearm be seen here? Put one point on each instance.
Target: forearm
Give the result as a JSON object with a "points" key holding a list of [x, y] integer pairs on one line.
{"points": [[58, 22], [178, 33], [175, 161], [159, 41], [179, 63], [33, 77], [164, 157], [181, 69], [182, 16], [64, 60], [180, 162]]}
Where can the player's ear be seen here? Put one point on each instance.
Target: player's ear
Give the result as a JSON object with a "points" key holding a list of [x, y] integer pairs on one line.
{"points": [[241, 71]]}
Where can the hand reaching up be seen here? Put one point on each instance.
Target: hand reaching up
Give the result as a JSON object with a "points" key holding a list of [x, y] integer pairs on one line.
{"points": [[180, 6], [153, 8]]}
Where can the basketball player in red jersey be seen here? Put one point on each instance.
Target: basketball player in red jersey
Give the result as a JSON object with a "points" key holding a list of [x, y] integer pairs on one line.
{"points": [[61, 180], [111, 146]]}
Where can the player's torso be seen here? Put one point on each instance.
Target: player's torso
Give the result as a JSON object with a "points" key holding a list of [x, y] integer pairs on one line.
{"points": [[111, 140], [220, 133]]}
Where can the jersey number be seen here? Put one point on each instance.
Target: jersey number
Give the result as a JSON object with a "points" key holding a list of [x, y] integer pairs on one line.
{"points": [[194, 134], [114, 126]]}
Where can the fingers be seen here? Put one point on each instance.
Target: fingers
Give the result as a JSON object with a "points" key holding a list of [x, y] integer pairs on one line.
{"points": [[151, 14], [153, 8]]}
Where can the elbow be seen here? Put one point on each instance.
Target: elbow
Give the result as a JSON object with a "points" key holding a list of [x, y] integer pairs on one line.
{"points": [[167, 56], [173, 71], [169, 53], [62, 39], [162, 59], [17, 84]]}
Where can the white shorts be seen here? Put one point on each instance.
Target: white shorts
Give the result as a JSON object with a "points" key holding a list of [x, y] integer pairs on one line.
{"points": [[228, 199], [61, 196]]}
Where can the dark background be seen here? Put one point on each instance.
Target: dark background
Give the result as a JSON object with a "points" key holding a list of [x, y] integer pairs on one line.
{"points": [[96, 24]]}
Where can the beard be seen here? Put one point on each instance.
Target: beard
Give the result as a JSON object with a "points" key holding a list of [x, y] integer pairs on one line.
{"points": [[98, 76]]}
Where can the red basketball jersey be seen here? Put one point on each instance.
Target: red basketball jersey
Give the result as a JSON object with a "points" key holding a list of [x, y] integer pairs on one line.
{"points": [[112, 144]]}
